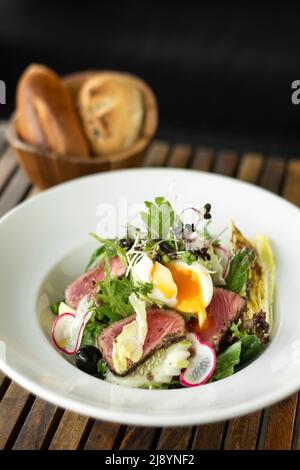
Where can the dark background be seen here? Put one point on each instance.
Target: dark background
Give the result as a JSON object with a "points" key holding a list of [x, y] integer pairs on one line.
{"points": [[222, 74]]}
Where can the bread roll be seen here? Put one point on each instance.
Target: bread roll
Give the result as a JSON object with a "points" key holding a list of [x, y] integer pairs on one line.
{"points": [[111, 109], [45, 113]]}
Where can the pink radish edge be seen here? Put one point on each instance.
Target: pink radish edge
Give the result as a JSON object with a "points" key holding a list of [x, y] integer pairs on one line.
{"points": [[53, 333], [182, 379], [227, 256]]}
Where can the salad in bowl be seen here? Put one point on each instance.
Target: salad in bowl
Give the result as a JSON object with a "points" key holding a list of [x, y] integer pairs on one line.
{"points": [[168, 305]]}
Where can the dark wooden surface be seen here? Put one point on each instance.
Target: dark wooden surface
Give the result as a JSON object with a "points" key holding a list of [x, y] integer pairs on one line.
{"points": [[27, 422]]}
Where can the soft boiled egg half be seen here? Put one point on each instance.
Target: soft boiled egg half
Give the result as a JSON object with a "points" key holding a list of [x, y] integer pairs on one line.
{"points": [[187, 288]]}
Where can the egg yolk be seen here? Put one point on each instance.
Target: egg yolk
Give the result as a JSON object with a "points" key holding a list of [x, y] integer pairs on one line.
{"points": [[189, 293], [162, 279]]}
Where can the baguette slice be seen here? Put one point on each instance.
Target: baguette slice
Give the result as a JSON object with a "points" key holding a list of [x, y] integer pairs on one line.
{"points": [[45, 113]]}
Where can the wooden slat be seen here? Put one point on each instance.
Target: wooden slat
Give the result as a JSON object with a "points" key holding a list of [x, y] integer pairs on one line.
{"points": [[291, 190], [272, 174], [250, 167], [209, 436], [138, 438], [38, 426], [280, 425], [13, 409], [8, 165], [226, 162], [157, 154], [14, 192], [243, 433], [180, 156], [203, 159], [175, 438], [102, 436], [70, 432]]}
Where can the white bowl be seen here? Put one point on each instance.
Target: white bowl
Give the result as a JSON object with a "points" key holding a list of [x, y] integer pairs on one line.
{"points": [[44, 244]]}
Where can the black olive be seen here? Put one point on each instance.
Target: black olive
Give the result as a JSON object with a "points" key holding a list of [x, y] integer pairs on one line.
{"points": [[87, 359]]}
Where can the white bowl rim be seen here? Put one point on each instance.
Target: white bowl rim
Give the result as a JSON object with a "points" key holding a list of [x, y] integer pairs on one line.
{"points": [[139, 418]]}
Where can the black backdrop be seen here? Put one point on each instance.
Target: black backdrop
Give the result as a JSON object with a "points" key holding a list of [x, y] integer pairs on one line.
{"points": [[222, 74]]}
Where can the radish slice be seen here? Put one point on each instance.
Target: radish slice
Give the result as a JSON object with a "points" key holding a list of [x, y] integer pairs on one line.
{"points": [[201, 365], [67, 329], [224, 257]]}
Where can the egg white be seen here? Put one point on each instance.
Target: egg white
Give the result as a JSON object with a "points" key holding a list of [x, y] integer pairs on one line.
{"points": [[142, 272]]}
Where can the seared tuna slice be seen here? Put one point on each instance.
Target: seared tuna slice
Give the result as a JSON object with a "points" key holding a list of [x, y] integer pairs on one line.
{"points": [[87, 283], [225, 307], [164, 328]]}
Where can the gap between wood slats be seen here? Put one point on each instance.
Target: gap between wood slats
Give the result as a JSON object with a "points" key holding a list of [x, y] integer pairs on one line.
{"points": [[296, 436], [4, 384]]}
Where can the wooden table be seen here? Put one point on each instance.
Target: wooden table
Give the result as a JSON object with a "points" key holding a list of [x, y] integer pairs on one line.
{"points": [[27, 422]]}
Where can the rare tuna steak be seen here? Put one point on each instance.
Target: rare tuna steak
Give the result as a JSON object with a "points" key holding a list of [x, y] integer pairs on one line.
{"points": [[164, 328], [87, 283], [224, 308]]}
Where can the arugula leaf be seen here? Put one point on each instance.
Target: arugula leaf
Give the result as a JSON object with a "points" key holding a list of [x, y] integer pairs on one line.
{"points": [[92, 330], [96, 255], [112, 295], [239, 265], [226, 361], [143, 289], [54, 307], [112, 248]]}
